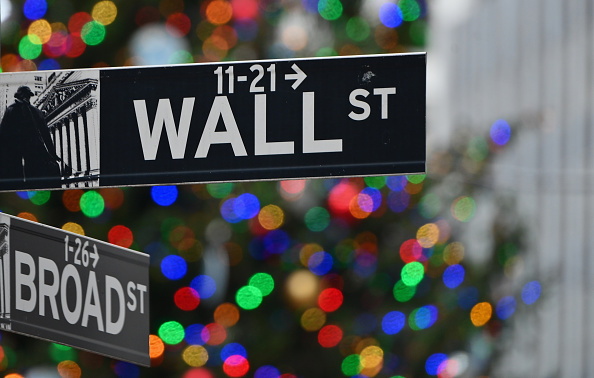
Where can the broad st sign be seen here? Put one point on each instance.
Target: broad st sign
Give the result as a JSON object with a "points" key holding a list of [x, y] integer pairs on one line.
{"points": [[258, 120], [73, 290]]}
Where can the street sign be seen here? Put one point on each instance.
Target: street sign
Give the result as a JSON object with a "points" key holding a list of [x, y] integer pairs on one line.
{"points": [[73, 290], [224, 121]]}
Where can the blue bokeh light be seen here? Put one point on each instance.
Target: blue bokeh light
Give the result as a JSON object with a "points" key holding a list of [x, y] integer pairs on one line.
{"points": [[233, 349], [193, 334], [468, 297], [426, 316], [320, 263], [398, 201], [228, 211], [393, 322], [390, 15], [174, 267], [506, 307], [164, 195], [204, 285], [434, 362], [267, 371], [500, 132], [34, 9], [453, 276], [531, 292], [48, 64], [246, 206]]}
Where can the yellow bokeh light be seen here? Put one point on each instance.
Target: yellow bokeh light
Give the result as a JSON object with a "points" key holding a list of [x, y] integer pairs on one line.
{"points": [[372, 356], [104, 12], [302, 288], [73, 227], [195, 355], [313, 319], [42, 29], [428, 235], [453, 253], [481, 313], [69, 369], [271, 217]]}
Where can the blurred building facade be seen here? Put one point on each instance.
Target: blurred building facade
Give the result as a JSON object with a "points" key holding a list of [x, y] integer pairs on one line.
{"points": [[531, 63]]}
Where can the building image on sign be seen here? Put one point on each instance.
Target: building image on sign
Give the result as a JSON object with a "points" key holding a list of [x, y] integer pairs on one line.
{"points": [[69, 102], [4, 273]]}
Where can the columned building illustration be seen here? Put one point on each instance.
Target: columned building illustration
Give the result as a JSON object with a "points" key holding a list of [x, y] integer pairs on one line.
{"points": [[69, 102]]}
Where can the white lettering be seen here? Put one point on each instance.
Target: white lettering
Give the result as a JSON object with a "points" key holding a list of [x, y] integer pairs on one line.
{"points": [[310, 145], [359, 104], [132, 304], [177, 138], [262, 147], [384, 92], [49, 291], [220, 108], [141, 289], [94, 308], [20, 259], [71, 272], [112, 284]]}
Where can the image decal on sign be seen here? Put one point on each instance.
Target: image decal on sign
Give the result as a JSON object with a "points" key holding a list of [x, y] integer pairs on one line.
{"points": [[49, 130], [4, 273]]}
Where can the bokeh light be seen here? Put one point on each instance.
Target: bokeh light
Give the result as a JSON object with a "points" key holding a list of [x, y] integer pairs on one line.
{"points": [[164, 195], [500, 132], [531, 292], [248, 297], [481, 313]]}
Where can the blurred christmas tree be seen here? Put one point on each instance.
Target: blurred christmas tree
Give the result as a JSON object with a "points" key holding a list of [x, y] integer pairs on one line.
{"points": [[361, 277]]}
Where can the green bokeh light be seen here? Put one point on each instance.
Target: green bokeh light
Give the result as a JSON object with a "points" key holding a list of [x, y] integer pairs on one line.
{"points": [[59, 353], [402, 292], [327, 51], [40, 197], [248, 297], [478, 149], [357, 28], [180, 57], [330, 9], [30, 47], [418, 32], [410, 9], [92, 33], [412, 322], [92, 204], [415, 179], [376, 182], [412, 273], [351, 365], [430, 205], [464, 209], [219, 190], [263, 282], [317, 219], [171, 332]]}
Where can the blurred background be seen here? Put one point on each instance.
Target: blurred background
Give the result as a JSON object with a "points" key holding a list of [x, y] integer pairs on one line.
{"points": [[481, 267]]}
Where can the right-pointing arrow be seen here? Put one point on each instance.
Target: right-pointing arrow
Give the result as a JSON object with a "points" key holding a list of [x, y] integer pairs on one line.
{"points": [[298, 76]]}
